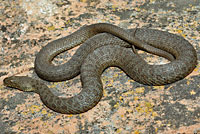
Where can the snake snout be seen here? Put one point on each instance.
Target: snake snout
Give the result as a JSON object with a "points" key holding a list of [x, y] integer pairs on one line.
{"points": [[6, 81]]}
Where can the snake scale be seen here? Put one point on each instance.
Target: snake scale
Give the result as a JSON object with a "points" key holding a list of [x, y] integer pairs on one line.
{"points": [[105, 45]]}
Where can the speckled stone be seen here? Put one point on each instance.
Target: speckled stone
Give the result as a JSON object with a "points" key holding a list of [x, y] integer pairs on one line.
{"points": [[127, 107]]}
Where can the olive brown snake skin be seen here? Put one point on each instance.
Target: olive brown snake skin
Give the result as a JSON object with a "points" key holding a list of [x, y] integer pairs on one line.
{"points": [[99, 51]]}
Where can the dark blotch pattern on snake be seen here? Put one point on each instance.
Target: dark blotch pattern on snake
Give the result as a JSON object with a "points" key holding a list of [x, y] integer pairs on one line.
{"points": [[100, 51]]}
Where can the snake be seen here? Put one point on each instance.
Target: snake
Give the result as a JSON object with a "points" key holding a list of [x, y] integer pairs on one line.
{"points": [[105, 45]]}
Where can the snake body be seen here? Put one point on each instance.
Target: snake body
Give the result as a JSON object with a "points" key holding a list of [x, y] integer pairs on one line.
{"points": [[101, 51], [46, 70]]}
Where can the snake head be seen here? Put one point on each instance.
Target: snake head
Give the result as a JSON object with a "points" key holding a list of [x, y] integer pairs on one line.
{"points": [[22, 83], [11, 82]]}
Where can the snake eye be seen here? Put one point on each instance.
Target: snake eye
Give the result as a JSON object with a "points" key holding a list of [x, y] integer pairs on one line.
{"points": [[12, 80]]}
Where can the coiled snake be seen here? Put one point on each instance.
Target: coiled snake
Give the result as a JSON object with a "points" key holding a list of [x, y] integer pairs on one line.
{"points": [[106, 45]]}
